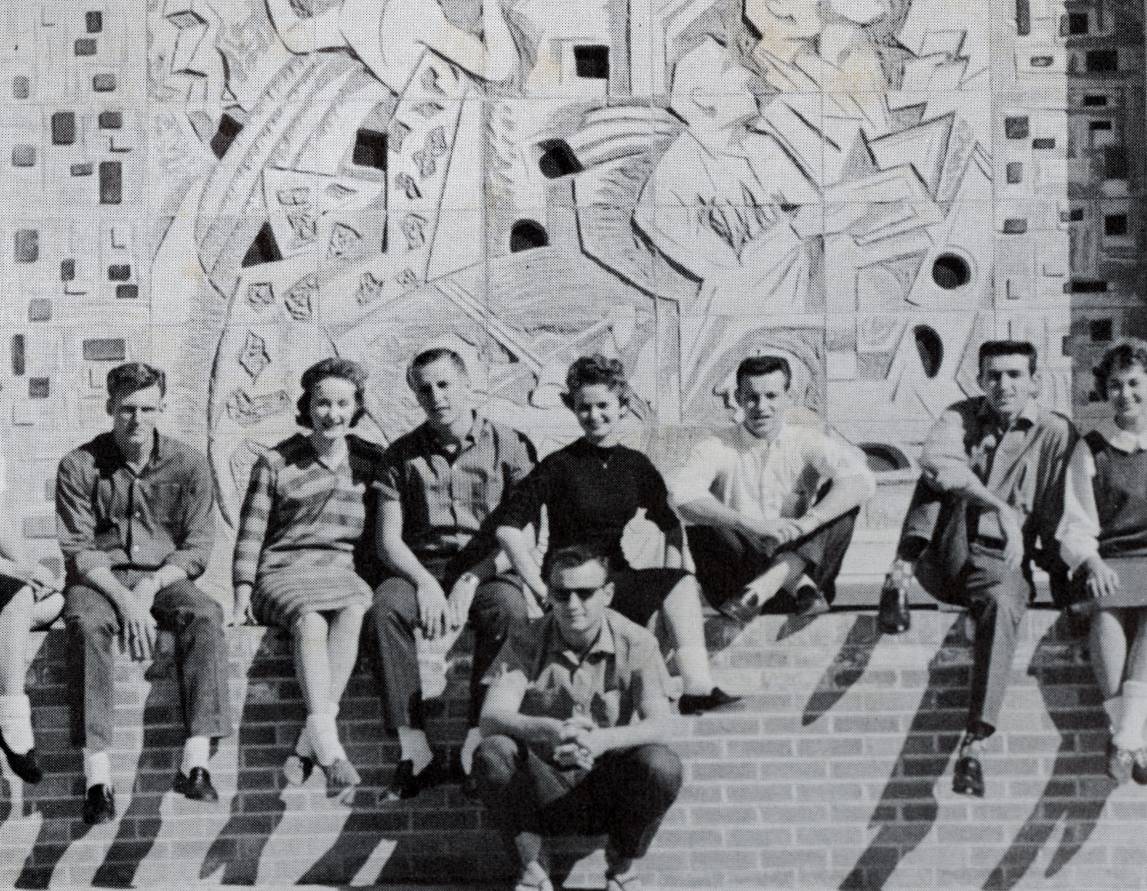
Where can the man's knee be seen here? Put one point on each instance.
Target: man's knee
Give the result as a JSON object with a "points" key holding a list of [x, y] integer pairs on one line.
{"points": [[89, 616], [395, 604], [660, 768], [497, 607], [495, 762]]}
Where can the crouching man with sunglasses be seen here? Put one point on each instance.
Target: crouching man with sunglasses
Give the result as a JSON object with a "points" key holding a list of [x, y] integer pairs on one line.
{"points": [[563, 752]]}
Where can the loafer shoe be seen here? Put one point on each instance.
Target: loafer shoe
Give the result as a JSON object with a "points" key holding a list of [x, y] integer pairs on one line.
{"points": [[408, 784], [696, 703], [894, 616], [968, 778], [99, 805], [25, 766], [1139, 768], [1120, 763], [196, 785], [810, 602], [741, 610]]}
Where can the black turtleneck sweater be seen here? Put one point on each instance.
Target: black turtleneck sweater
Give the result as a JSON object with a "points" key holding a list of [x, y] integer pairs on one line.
{"points": [[590, 494]]}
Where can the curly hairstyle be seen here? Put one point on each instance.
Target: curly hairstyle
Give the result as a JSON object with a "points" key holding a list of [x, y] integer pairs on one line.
{"points": [[344, 369], [1126, 353], [586, 371]]}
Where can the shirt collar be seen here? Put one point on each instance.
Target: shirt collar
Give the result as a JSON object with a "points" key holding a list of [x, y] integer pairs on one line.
{"points": [[604, 645], [1027, 417], [477, 430], [1123, 440], [159, 450], [746, 441], [344, 461]]}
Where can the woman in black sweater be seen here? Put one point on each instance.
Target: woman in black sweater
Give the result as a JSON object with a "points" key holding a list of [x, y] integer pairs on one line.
{"points": [[591, 489]]}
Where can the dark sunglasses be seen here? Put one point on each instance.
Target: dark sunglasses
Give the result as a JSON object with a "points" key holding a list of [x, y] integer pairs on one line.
{"points": [[563, 595]]}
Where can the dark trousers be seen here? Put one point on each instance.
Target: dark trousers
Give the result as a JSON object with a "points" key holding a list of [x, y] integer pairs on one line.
{"points": [[624, 795], [971, 574], [195, 621], [498, 606], [726, 560]]}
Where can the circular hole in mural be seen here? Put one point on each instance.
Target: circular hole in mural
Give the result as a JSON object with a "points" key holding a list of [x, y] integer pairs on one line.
{"points": [[930, 348], [527, 234], [951, 271]]}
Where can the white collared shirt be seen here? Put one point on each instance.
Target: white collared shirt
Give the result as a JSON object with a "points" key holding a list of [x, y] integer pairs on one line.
{"points": [[762, 480], [1078, 532]]}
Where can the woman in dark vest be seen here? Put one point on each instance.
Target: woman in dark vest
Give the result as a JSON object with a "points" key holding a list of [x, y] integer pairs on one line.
{"points": [[1103, 538]]}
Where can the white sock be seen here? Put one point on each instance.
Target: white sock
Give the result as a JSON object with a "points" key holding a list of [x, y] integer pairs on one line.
{"points": [[196, 753], [693, 663], [415, 747], [16, 723], [469, 746], [97, 768], [1114, 709], [1129, 730]]}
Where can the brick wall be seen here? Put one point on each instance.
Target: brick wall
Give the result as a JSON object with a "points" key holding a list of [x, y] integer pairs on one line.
{"points": [[836, 773]]}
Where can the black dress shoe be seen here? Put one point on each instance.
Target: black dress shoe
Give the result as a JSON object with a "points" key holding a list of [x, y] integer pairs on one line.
{"points": [[99, 805], [25, 766], [968, 778], [810, 602], [467, 782], [695, 704], [196, 785], [894, 616], [407, 784]]}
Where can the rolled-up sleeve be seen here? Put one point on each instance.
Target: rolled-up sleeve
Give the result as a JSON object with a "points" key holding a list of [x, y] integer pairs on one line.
{"points": [[254, 519], [837, 460], [522, 458], [1078, 530], [523, 505], [944, 448], [75, 518], [694, 479], [193, 541]]}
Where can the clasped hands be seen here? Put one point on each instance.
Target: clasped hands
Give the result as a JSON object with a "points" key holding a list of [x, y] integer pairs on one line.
{"points": [[769, 535], [137, 634], [577, 743]]}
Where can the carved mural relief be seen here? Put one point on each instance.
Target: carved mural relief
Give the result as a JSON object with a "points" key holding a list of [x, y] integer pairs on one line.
{"points": [[869, 187]]}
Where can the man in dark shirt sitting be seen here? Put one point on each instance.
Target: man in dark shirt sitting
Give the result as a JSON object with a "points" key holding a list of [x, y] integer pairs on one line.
{"points": [[562, 754], [134, 520]]}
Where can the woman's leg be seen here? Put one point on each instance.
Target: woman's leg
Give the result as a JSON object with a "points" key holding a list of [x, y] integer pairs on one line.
{"points": [[342, 645], [313, 670], [681, 613], [1129, 730], [15, 710], [15, 626], [1108, 644]]}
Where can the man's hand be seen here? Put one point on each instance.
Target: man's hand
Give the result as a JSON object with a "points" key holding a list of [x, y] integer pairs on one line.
{"points": [[242, 613], [578, 737], [461, 596], [1013, 537], [947, 478], [137, 634], [432, 608], [1102, 580]]}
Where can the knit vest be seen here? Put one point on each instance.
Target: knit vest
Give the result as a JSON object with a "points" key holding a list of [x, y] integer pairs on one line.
{"points": [[1120, 487]]}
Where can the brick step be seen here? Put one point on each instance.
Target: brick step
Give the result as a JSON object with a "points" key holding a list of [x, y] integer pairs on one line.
{"points": [[833, 771]]}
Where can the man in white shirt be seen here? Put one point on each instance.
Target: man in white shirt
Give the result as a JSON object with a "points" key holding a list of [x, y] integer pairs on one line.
{"points": [[770, 505]]}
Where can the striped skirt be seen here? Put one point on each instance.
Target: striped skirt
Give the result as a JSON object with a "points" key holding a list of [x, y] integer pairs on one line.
{"points": [[281, 595]]}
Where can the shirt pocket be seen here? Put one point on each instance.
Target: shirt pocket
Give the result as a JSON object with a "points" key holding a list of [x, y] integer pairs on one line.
{"points": [[166, 502]]}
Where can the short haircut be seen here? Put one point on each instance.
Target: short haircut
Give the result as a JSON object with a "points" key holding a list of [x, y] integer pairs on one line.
{"points": [[990, 348], [131, 377], [757, 366], [585, 371], [344, 369], [432, 355], [573, 556], [1130, 352]]}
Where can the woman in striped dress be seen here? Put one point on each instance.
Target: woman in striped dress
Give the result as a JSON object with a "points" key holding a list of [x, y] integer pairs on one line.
{"points": [[294, 565]]}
